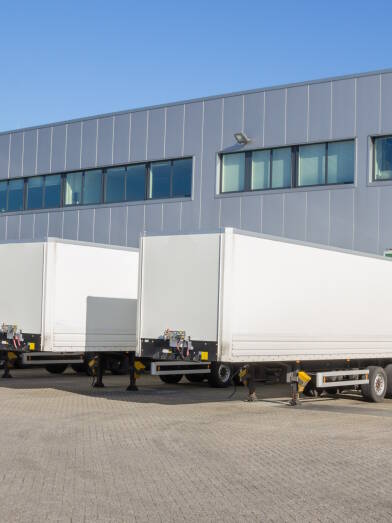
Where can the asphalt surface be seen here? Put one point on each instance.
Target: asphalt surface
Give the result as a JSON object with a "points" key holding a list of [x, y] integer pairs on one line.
{"points": [[187, 452]]}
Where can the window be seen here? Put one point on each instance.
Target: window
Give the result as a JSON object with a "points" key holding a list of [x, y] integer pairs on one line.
{"points": [[311, 164], [35, 192], [382, 158], [3, 196], [340, 162], [73, 189], [52, 194], [281, 167], [285, 167], [135, 183], [261, 169], [15, 195], [233, 172], [161, 179], [182, 178], [92, 187], [172, 179], [115, 184]]}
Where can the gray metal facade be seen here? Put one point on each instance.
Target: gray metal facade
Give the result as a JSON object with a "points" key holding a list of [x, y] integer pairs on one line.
{"points": [[356, 216]]}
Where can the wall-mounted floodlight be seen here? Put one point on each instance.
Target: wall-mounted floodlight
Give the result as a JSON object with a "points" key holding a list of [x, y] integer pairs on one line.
{"points": [[241, 138]]}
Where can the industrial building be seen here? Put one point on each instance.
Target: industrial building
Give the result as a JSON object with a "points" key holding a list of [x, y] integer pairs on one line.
{"points": [[309, 161]]}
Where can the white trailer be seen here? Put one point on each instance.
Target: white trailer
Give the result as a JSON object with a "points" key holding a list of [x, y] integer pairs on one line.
{"points": [[235, 298], [68, 299]]}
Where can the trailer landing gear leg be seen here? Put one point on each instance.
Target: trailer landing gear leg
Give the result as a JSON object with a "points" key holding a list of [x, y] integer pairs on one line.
{"points": [[100, 366], [132, 381], [6, 374], [250, 382], [294, 402]]}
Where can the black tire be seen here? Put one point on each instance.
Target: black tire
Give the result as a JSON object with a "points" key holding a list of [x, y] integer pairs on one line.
{"points": [[376, 389], [195, 378], [388, 372], [57, 368], [171, 378], [220, 376], [332, 391]]}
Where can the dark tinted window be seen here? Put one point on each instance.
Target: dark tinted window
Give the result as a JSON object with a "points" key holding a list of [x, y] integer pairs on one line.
{"points": [[136, 182], [92, 187], [160, 180], [15, 195], [3, 196], [35, 192], [182, 178], [115, 185], [52, 196]]}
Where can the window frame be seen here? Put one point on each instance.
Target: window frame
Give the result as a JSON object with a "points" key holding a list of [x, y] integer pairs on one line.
{"points": [[294, 168], [373, 160], [170, 197]]}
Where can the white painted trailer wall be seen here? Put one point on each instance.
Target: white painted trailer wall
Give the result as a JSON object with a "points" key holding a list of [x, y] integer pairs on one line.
{"points": [[79, 297], [276, 300]]}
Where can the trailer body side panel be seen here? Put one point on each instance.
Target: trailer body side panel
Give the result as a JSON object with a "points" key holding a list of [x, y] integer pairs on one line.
{"points": [[21, 285], [288, 301], [90, 298], [180, 286]]}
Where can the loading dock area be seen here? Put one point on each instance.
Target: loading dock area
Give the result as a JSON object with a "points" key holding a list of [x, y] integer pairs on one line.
{"points": [[82, 454]]}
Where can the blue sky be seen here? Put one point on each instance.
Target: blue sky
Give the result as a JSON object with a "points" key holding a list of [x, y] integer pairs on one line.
{"points": [[63, 60]]}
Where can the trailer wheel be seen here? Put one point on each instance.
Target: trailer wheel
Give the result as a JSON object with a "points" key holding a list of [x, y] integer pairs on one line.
{"points": [[171, 378], [376, 389], [388, 372], [56, 369], [195, 378], [220, 375]]}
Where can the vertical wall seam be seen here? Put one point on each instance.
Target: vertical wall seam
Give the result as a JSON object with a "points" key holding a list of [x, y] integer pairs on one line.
{"points": [[331, 112], [6, 227], [181, 210], [222, 121], [183, 132], [307, 112], [147, 131], [285, 116], [22, 165], [243, 114], [263, 122], [9, 156], [129, 137], [36, 151], [34, 226], [81, 143], [66, 146], [20, 225], [96, 144], [51, 149], [201, 162], [283, 213], [113, 123], [62, 224], [379, 105], [355, 107], [47, 225], [164, 132]]}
